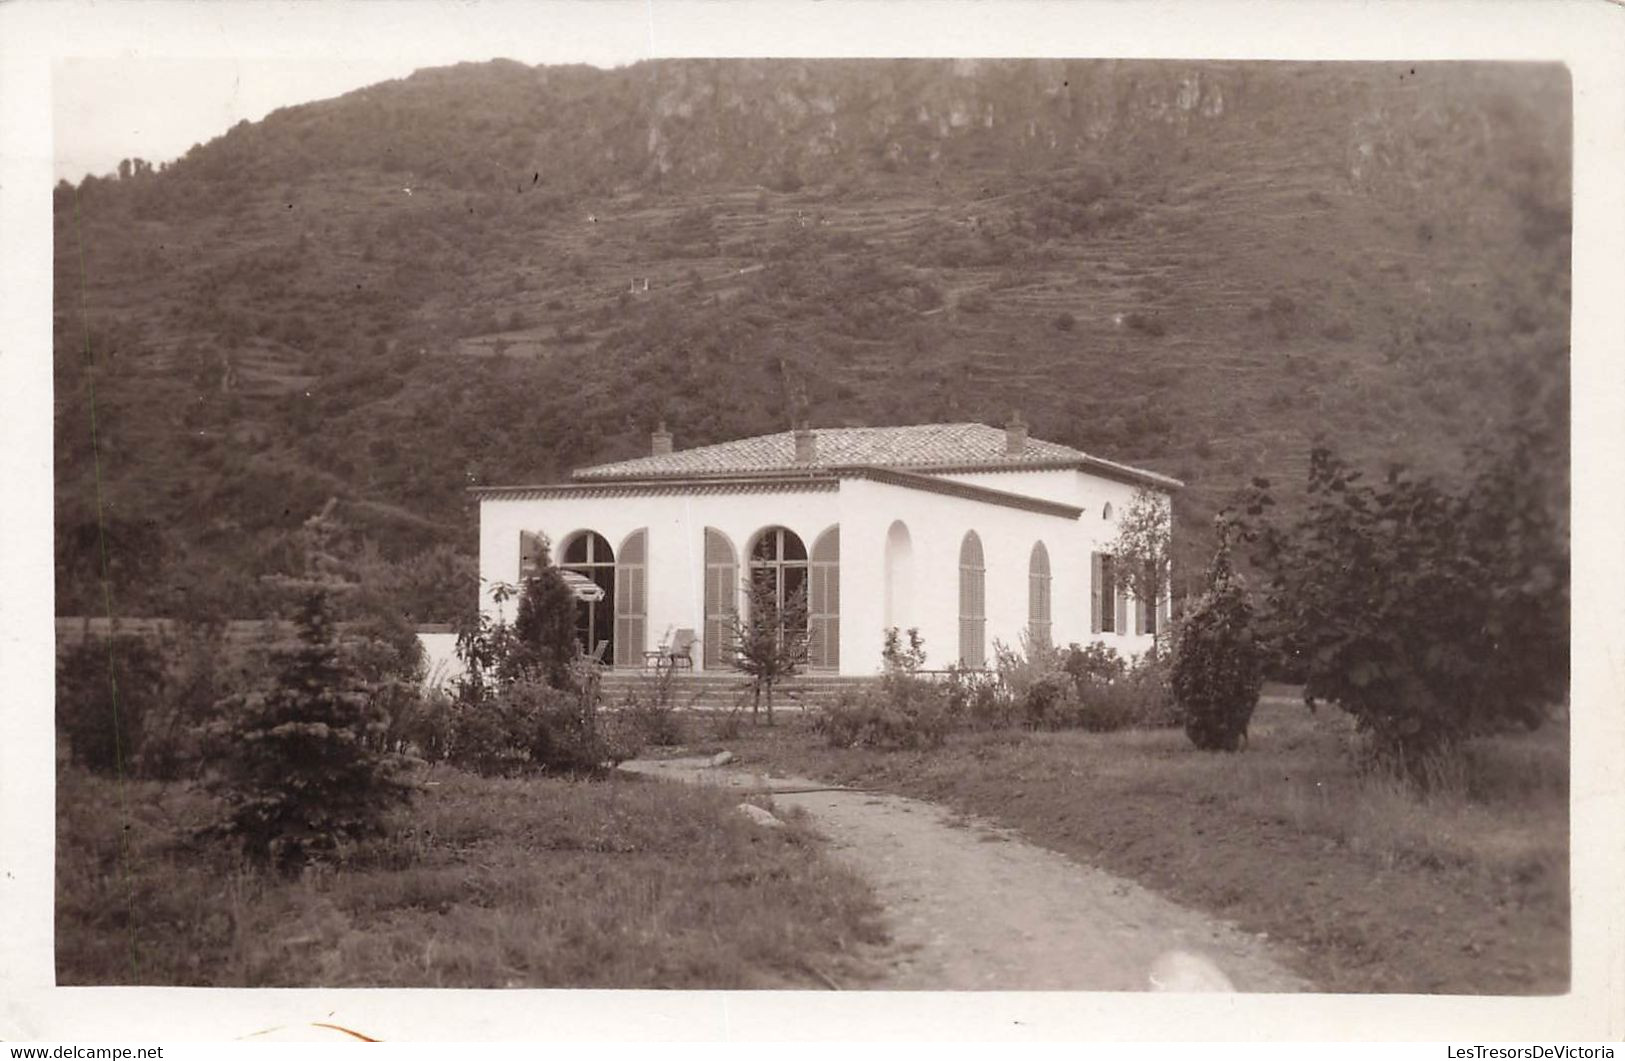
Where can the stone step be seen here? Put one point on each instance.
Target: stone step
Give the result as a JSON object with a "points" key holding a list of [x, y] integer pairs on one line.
{"points": [[722, 692]]}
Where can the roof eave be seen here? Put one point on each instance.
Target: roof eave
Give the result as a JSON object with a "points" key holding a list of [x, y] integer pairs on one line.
{"points": [[1094, 465]]}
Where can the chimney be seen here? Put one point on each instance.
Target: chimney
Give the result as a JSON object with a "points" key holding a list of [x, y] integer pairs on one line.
{"points": [[806, 445], [660, 441], [1015, 436]]}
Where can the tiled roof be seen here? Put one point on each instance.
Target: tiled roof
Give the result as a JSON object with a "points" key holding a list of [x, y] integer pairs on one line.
{"points": [[917, 447]]}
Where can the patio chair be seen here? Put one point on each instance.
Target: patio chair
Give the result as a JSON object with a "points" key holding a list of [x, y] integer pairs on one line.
{"points": [[675, 652], [681, 652]]}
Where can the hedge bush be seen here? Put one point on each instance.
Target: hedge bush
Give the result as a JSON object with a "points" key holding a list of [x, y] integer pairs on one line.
{"points": [[1218, 667], [105, 689], [901, 712]]}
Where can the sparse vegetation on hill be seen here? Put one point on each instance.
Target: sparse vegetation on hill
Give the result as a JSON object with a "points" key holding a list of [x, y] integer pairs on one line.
{"points": [[494, 273]]}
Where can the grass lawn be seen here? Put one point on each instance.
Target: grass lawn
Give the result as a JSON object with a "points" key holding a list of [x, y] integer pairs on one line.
{"points": [[486, 883], [1368, 887]]}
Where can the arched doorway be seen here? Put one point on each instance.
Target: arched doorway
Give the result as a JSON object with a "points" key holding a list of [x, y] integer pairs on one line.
{"points": [[778, 566], [899, 577], [588, 553]]}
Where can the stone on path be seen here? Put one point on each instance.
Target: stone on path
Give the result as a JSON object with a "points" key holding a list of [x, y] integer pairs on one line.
{"points": [[722, 758], [760, 816]]}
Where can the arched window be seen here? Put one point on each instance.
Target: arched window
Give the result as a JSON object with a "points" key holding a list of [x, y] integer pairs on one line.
{"points": [[1106, 513], [824, 603], [1038, 610], [721, 596], [972, 603], [898, 601], [778, 564], [587, 553], [631, 598]]}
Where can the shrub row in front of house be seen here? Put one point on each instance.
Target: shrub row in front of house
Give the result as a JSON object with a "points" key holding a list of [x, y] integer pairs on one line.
{"points": [[1035, 687]]}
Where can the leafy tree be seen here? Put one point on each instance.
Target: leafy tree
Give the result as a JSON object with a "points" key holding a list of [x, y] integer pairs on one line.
{"points": [[1141, 550], [1429, 615], [1218, 667], [302, 767], [769, 640]]}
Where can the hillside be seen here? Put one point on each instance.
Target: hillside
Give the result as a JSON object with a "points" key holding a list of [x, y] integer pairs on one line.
{"points": [[491, 273]]}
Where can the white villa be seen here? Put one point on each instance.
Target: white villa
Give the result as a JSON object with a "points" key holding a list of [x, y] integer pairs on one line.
{"points": [[968, 533]]}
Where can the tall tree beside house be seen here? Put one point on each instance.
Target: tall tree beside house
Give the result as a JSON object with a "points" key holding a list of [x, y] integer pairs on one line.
{"points": [[769, 640], [1429, 615], [1218, 669], [1141, 555], [303, 768], [545, 628]]}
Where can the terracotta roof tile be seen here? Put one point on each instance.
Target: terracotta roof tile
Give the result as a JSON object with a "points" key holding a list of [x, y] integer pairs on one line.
{"points": [[916, 446]]}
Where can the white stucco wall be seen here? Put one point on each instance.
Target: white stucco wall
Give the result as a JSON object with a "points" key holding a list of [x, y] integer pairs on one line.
{"points": [[926, 596], [676, 526], [440, 658]]}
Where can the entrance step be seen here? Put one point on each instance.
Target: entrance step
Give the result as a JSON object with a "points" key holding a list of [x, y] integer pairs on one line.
{"points": [[727, 691]]}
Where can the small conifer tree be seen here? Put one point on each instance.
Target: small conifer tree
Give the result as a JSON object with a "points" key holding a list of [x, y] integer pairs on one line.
{"points": [[770, 640], [302, 766]]}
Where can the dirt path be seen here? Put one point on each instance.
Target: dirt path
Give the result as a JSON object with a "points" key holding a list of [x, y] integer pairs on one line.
{"points": [[972, 907]]}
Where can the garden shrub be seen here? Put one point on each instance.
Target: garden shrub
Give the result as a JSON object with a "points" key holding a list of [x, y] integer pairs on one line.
{"points": [[1218, 668], [1097, 663], [976, 699], [427, 728], [1050, 702], [521, 704], [902, 711], [1113, 695], [527, 724], [105, 689], [1429, 615], [650, 710], [197, 678], [1042, 694]]}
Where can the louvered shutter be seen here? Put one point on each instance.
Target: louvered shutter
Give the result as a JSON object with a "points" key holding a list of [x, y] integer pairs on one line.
{"points": [[1122, 626], [631, 599], [1096, 585], [1038, 586], [972, 603], [721, 598], [824, 602]]}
